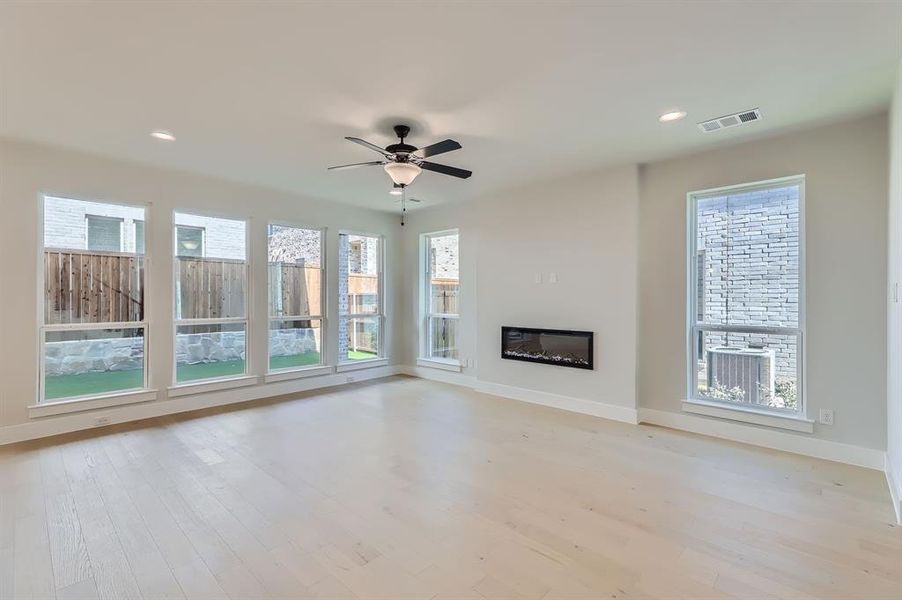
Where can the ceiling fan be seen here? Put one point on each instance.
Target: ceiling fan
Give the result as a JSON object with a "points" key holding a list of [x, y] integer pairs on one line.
{"points": [[404, 162]]}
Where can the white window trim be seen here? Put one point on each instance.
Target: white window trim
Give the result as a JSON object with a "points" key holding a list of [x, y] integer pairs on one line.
{"points": [[177, 385], [726, 409], [748, 414], [298, 373], [357, 365], [440, 363], [201, 386], [307, 370], [83, 402], [379, 315], [425, 358]]}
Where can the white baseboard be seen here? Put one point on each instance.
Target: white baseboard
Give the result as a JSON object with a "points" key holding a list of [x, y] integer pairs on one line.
{"points": [[48, 426], [767, 438], [894, 481], [578, 405]]}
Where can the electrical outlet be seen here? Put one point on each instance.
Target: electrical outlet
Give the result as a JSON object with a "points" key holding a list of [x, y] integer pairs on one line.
{"points": [[99, 421], [538, 278], [552, 278], [825, 417]]}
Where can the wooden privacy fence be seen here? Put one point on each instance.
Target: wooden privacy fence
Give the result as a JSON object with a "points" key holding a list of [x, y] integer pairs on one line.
{"points": [[210, 288], [92, 287], [445, 292], [294, 289]]}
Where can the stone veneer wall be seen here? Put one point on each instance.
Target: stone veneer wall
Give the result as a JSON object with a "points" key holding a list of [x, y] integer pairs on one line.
{"points": [[749, 253], [120, 354]]}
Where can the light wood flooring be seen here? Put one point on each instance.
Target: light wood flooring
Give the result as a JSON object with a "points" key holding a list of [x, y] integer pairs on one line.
{"points": [[406, 488]]}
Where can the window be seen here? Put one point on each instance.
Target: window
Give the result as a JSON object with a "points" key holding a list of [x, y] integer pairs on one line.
{"points": [[359, 297], [104, 233], [92, 336], [746, 325], [189, 240], [441, 296], [211, 276], [139, 237], [295, 297]]}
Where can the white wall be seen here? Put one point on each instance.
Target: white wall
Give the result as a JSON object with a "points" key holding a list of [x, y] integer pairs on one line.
{"points": [[846, 211], [583, 228], [27, 171], [894, 315]]}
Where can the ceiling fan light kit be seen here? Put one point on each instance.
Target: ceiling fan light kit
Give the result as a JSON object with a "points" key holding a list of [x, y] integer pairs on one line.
{"points": [[402, 173]]}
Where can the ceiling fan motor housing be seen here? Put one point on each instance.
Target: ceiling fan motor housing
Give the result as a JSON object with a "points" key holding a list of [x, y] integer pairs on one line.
{"points": [[402, 131]]}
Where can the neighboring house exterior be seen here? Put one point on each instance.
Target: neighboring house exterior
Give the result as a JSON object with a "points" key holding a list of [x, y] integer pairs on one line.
{"points": [[82, 225]]}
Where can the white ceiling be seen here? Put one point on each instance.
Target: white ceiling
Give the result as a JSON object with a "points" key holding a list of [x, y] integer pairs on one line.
{"points": [[265, 92]]}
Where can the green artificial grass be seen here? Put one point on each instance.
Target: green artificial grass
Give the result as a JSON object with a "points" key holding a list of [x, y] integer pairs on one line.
{"points": [[225, 368], [92, 384], [293, 361]]}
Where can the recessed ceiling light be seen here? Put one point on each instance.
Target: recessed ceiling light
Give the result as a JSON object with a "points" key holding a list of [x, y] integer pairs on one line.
{"points": [[161, 134], [675, 115]]}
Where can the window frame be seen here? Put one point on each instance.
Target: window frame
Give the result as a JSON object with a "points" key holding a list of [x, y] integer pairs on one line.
{"points": [[248, 300], [323, 318], [41, 402], [694, 327], [426, 314], [343, 361]]}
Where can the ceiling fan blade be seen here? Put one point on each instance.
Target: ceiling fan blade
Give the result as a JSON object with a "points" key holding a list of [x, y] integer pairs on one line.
{"points": [[439, 148], [445, 169], [366, 144], [354, 165]]}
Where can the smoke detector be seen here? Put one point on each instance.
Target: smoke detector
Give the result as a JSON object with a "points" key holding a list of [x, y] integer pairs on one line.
{"points": [[734, 120]]}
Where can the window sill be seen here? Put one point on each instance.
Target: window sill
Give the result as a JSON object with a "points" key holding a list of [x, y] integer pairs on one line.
{"points": [[361, 364], [200, 387], [287, 374], [61, 407], [749, 415], [434, 363]]}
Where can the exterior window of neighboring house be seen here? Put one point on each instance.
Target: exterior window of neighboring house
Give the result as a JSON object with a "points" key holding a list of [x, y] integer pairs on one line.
{"points": [[441, 293], [211, 277], [104, 233], [361, 317], [93, 340], [296, 297], [139, 236], [189, 240], [746, 322]]}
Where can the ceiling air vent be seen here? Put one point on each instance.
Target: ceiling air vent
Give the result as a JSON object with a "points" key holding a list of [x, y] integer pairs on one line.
{"points": [[740, 118]]}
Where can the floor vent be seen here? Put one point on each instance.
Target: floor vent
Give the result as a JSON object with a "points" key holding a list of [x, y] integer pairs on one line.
{"points": [[734, 120]]}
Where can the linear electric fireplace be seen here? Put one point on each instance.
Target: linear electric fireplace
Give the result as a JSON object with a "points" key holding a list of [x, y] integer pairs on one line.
{"points": [[560, 347]]}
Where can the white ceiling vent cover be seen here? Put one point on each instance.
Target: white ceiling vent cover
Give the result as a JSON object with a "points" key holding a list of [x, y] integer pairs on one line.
{"points": [[734, 120]]}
